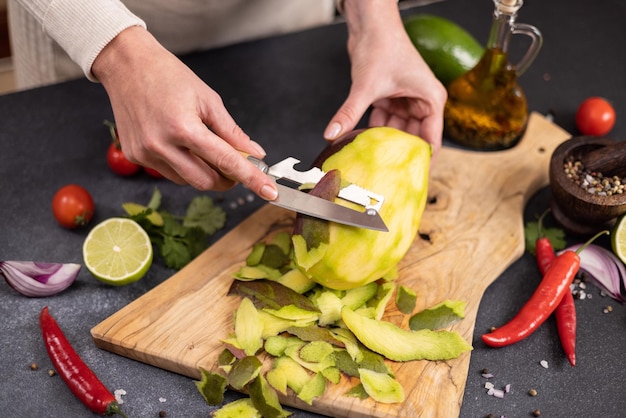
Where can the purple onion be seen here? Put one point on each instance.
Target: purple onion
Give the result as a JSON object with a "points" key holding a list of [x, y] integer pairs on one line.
{"points": [[604, 269], [37, 279]]}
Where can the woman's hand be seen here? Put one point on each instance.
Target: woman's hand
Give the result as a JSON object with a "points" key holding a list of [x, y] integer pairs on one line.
{"points": [[389, 74], [170, 120]]}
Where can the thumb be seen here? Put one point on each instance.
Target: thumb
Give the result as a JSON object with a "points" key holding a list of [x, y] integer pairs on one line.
{"points": [[347, 116]]}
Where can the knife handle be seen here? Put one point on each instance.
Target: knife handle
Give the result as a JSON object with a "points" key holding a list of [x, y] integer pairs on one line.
{"points": [[258, 163]]}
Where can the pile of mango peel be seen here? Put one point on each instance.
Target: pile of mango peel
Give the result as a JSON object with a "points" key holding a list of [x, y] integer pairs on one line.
{"points": [[313, 336]]}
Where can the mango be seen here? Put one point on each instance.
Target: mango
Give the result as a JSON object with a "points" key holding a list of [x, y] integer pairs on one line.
{"points": [[241, 408], [386, 161], [381, 386], [398, 344]]}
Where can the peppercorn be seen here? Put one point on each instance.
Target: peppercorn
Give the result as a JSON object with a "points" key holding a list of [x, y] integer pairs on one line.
{"points": [[591, 181], [162, 414], [33, 366], [532, 392], [536, 413]]}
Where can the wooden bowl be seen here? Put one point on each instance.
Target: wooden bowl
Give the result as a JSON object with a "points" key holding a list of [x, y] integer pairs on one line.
{"points": [[577, 210]]}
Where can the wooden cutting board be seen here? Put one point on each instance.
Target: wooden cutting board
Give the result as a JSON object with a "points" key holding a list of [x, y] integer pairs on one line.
{"points": [[471, 231]]}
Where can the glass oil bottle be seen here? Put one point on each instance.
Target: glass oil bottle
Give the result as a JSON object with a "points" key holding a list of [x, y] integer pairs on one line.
{"points": [[486, 108]]}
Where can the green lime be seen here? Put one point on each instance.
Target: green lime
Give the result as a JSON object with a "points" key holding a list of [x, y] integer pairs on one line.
{"points": [[618, 238], [117, 251], [448, 49]]}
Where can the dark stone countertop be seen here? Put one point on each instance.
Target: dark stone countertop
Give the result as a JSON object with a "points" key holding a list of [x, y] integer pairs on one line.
{"points": [[282, 91]]}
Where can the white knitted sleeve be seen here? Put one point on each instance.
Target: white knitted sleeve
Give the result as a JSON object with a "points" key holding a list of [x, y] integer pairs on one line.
{"points": [[82, 27]]}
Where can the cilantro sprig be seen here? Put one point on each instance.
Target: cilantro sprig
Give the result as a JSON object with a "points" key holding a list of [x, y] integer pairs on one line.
{"points": [[555, 235], [178, 239]]}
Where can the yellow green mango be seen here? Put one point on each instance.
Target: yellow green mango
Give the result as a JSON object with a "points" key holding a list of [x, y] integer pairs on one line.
{"points": [[386, 161]]}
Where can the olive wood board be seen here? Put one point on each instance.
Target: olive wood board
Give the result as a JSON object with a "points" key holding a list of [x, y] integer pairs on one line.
{"points": [[471, 231]]}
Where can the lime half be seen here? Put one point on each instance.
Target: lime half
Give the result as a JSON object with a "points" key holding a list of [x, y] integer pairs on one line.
{"points": [[618, 238], [117, 251]]}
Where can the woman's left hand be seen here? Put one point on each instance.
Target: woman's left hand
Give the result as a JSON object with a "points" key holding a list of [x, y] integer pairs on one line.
{"points": [[388, 74]]}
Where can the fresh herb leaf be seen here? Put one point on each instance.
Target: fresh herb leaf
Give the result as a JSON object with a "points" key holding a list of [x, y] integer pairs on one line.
{"points": [[179, 240], [204, 214], [174, 252], [155, 200], [196, 241], [555, 235], [171, 226]]}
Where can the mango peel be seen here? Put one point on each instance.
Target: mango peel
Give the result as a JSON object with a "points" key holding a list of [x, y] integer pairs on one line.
{"points": [[384, 160]]}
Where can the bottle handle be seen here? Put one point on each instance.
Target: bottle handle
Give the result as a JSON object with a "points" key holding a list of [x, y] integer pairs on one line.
{"points": [[536, 42]]}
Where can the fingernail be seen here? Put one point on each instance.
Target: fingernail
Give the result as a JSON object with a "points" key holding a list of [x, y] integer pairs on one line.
{"points": [[333, 131], [258, 148], [268, 192]]}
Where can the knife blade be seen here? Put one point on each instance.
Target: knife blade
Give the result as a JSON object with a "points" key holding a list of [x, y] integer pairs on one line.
{"points": [[317, 207], [302, 202], [285, 169]]}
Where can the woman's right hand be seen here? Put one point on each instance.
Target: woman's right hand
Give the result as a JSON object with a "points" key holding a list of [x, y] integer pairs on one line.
{"points": [[170, 120]]}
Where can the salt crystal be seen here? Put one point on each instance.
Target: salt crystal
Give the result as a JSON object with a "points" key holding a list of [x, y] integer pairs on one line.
{"points": [[162, 399], [507, 388], [544, 364], [118, 395], [498, 393], [489, 385]]}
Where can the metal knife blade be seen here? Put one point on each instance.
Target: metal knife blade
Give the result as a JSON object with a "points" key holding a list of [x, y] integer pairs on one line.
{"points": [[317, 207], [285, 170]]}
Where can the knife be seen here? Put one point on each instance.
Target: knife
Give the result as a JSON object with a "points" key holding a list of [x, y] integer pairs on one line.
{"points": [[302, 202]]}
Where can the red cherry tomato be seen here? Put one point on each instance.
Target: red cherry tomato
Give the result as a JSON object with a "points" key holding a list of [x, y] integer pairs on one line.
{"points": [[118, 162], [595, 116], [72, 206], [153, 173]]}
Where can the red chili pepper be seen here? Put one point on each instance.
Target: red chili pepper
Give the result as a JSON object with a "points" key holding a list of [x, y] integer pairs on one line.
{"points": [[542, 303], [565, 312], [81, 380], [565, 315], [544, 252]]}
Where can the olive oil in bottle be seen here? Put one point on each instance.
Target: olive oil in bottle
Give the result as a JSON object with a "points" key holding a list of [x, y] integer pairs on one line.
{"points": [[486, 108]]}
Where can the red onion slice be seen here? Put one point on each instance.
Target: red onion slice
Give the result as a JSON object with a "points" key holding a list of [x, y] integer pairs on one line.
{"points": [[37, 279], [604, 269]]}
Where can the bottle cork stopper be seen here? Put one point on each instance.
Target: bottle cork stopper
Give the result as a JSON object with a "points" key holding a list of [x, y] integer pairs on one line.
{"points": [[509, 6]]}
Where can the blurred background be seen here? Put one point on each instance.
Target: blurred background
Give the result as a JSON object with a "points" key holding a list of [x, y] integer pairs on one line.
{"points": [[6, 69], [7, 82]]}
